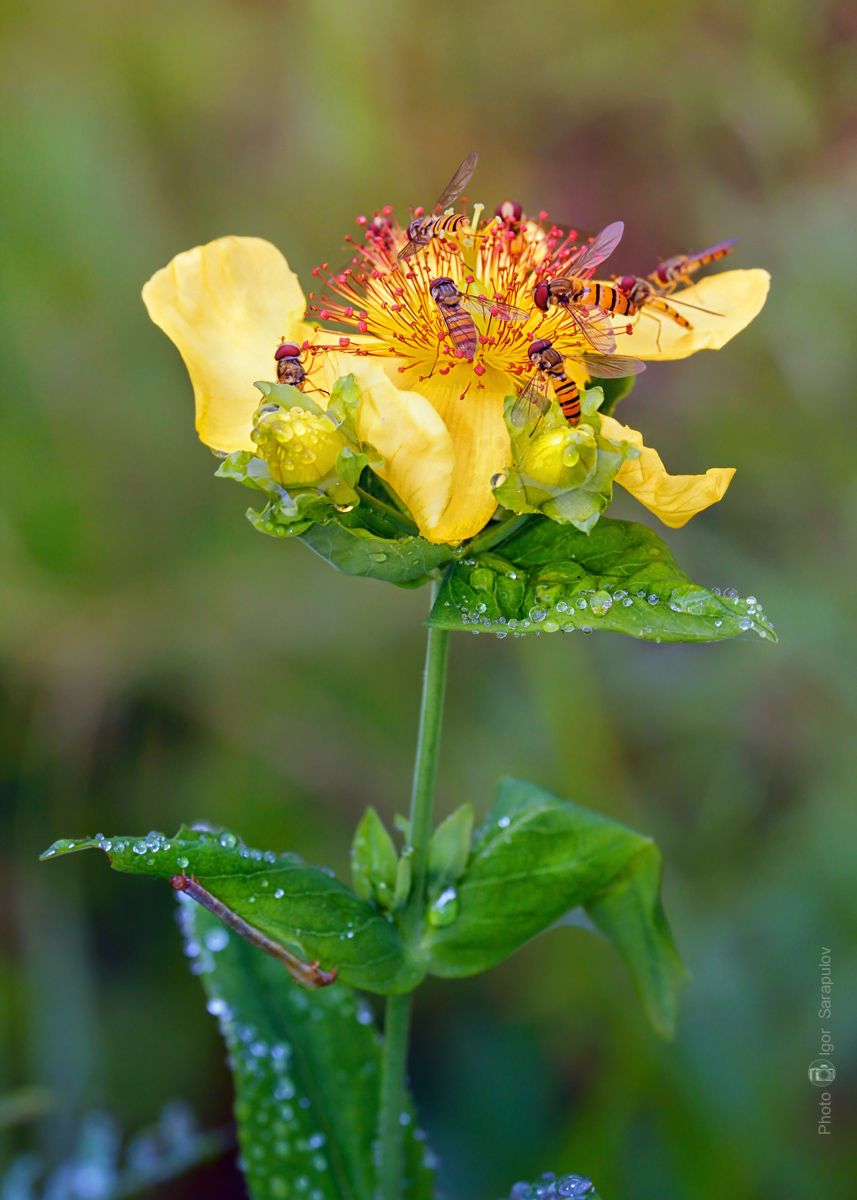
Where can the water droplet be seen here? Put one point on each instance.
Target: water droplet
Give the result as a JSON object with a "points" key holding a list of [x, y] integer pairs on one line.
{"points": [[139, 848], [217, 939], [445, 908], [378, 557], [600, 603], [537, 614], [183, 862], [228, 840], [627, 602], [343, 508], [652, 598]]}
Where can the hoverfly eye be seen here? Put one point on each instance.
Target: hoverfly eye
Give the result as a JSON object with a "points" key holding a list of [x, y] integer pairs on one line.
{"points": [[538, 347], [541, 294], [287, 350], [662, 275], [626, 283]]}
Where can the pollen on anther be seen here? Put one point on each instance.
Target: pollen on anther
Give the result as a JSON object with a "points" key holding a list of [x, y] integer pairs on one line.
{"points": [[344, 341], [479, 369]]}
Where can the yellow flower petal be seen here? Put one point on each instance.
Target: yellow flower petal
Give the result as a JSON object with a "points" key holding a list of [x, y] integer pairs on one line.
{"points": [[225, 306], [733, 299], [406, 430], [480, 442], [674, 499]]}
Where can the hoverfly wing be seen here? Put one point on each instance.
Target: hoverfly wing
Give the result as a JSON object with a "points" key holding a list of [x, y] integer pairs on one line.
{"points": [[610, 366], [533, 395], [595, 326], [458, 183], [493, 308], [602, 247], [409, 249]]}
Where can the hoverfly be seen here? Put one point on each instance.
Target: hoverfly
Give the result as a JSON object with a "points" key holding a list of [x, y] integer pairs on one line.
{"points": [[681, 267], [550, 372], [290, 369], [577, 292], [421, 230], [454, 305], [649, 293]]}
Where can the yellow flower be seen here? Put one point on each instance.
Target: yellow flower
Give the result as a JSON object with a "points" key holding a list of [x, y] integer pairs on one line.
{"points": [[432, 398], [226, 306], [674, 499]]}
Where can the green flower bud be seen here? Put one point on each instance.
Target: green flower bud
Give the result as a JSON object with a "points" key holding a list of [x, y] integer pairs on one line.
{"points": [[299, 447], [559, 458]]}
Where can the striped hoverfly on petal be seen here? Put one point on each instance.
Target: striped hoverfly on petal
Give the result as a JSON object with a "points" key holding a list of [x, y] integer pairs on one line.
{"points": [[579, 296]]}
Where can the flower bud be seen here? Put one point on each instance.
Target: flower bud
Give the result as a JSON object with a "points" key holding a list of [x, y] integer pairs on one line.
{"points": [[299, 447], [559, 458]]}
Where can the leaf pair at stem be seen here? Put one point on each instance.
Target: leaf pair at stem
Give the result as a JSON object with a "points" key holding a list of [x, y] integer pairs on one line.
{"points": [[536, 861]]}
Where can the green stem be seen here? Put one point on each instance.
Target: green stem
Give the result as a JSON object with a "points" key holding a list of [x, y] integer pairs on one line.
{"points": [[497, 533], [398, 1009], [397, 519]]}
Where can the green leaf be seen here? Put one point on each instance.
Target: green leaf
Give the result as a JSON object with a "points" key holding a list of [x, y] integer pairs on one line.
{"points": [[374, 861], [449, 850], [303, 908], [406, 560], [404, 878], [535, 859], [306, 1068], [620, 577], [615, 390]]}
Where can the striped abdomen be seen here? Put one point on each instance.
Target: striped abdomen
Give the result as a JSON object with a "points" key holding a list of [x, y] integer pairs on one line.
{"points": [[712, 254], [448, 224], [661, 306], [462, 328], [568, 397], [604, 296]]}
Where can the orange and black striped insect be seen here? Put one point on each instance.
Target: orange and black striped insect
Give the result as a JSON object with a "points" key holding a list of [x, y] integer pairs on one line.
{"points": [[454, 305], [647, 295], [422, 229], [681, 267], [550, 373], [577, 294]]}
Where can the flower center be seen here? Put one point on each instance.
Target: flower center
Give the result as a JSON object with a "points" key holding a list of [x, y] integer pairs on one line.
{"points": [[445, 308]]}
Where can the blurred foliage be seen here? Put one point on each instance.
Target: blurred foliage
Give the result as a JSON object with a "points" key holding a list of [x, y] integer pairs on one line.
{"points": [[159, 661]]}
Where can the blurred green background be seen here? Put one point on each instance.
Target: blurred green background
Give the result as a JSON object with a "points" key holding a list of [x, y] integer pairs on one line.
{"points": [[160, 661]]}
